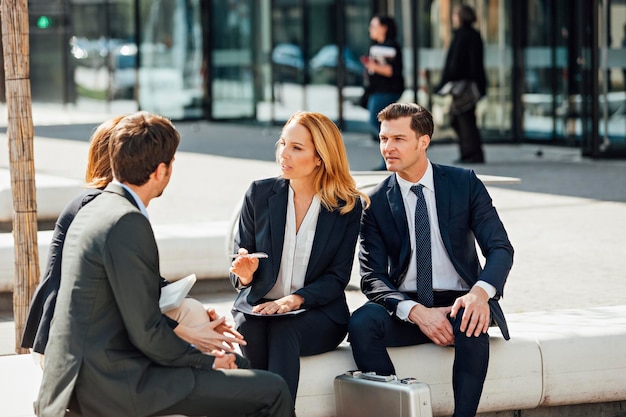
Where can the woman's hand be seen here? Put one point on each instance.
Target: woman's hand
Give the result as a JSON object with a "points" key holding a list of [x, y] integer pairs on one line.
{"points": [[282, 305], [244, 267]]}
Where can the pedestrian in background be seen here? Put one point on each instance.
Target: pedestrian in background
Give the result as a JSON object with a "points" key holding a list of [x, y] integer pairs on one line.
{"points": [[384, 80], [465, 70], [307, 220]]}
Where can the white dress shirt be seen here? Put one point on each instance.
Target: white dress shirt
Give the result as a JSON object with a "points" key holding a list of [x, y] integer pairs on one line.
{"points": [[296, 249], [444, 274]]}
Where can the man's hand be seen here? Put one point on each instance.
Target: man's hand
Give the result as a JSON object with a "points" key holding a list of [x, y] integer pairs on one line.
{"points": [[282, 305], [226, 329], [477, 316], [208, 338], [224, 360], [434, 323]]}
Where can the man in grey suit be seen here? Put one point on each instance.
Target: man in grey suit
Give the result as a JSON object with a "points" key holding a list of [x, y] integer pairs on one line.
{"points": [[111, 351], [419, 266]]}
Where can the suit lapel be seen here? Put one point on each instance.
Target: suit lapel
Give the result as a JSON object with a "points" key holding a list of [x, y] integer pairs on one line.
{"points": [[325, 225], [398, 214], [277, 205], [442, 197], [396, 205]]}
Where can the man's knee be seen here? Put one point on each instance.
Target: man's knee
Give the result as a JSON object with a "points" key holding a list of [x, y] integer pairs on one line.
{"points": [[365, 321]]}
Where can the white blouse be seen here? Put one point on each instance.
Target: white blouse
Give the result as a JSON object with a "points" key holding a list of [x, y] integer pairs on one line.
{"points": [[296, 249]]}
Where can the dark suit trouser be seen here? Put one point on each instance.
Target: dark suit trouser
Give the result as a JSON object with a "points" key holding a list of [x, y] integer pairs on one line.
{"points": [[277, 343], [470, 142], [372, 330], [235, 393]]}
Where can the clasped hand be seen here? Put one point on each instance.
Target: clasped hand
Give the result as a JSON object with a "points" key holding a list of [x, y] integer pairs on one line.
{"points": [[434, 322], [216, 335]]}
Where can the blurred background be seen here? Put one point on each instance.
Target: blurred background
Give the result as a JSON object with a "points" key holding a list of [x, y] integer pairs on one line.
{"points": [[556, 68]]}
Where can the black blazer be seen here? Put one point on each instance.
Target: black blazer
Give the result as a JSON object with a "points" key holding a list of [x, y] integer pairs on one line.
{"points": [[466, 215], [262, 228], [465, 59]]}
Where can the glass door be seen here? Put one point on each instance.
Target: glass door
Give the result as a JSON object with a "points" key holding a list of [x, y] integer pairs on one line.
{"points": [[612, 78], [170, 78], [231, 64]]}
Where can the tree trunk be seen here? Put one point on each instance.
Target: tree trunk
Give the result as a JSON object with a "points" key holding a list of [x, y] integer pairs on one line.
{"points": [[21, 157]]}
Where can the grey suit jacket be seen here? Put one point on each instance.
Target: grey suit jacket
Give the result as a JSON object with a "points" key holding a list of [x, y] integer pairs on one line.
{"points": [[109, 342], [466, 216]]}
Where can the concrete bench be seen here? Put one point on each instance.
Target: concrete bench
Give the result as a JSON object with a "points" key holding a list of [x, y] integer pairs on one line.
{"points": [[184, 249], [554, 358], [53, 193]]}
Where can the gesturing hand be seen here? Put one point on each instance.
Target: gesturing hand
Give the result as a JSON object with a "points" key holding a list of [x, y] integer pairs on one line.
{"points": [[244, 267]]}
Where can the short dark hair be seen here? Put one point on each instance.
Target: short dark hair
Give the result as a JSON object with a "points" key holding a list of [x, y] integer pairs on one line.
{"points": [[139, 143], [421, 119], [390, 24]]}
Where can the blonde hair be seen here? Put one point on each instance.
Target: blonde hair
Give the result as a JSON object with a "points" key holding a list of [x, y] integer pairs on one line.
{"points": [[98, 173], [336, 187]]}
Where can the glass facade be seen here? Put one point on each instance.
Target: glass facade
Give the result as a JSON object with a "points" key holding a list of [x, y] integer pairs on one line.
{"points": [[556, 68]]}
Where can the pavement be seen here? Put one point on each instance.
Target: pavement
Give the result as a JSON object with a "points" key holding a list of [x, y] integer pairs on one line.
{"points": [[566, 219]]}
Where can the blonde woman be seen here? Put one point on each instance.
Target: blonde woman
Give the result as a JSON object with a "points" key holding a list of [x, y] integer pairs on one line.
{"points": [[292, 303]]}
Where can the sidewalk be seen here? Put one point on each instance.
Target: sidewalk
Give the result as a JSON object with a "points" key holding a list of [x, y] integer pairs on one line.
{"points": [[566, 220]]}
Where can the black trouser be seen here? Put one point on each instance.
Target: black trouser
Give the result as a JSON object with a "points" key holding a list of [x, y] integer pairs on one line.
{"points": [[470, 142], [372, 330], [277, 343], [235, 393]]}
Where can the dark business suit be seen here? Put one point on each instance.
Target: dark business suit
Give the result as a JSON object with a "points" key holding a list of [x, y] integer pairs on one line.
{"points": [[110, 347], [465, 214], [42, 306], [276, 343], [41, 309]]}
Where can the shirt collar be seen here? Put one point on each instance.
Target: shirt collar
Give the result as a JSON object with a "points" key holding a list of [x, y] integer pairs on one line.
{"points": [[138, 201], [427, 181]]}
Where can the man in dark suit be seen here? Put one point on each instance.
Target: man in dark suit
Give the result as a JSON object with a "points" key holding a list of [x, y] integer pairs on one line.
{"points": [[444, 297], [111, 351]]}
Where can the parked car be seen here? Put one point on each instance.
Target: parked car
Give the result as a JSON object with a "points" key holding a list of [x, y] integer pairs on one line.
{"points": [[325, 62], [288, 63]]}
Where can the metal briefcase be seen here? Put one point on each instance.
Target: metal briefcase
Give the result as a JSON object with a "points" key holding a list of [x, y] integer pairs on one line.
{"points": [[365, 394]]}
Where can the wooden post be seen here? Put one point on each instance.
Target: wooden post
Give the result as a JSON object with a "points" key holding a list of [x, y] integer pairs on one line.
{"points": [[21, 156]]}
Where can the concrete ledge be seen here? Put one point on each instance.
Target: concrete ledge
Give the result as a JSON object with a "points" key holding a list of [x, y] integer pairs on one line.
{"points": [[183, 249], [554, 359], [514, 379], [53, 193]]}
